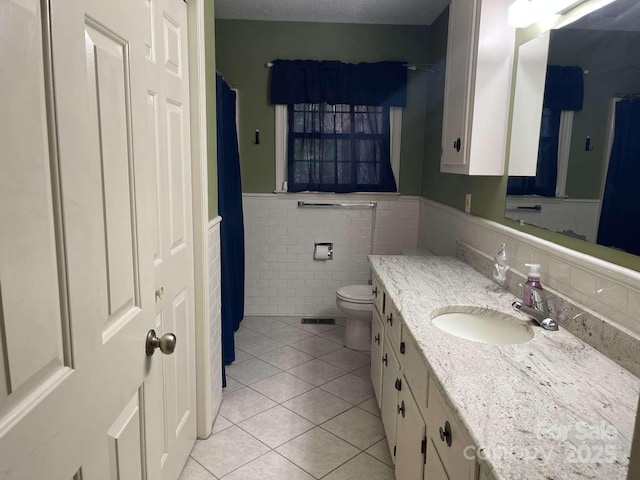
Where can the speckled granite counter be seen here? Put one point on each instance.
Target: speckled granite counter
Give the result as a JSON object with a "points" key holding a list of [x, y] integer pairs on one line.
{"points": [[551, 408]]}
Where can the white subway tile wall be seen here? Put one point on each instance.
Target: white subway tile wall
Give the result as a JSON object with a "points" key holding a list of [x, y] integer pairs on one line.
{"points": [[558, 214], [282, 278], [603, 287], [214, 314]]}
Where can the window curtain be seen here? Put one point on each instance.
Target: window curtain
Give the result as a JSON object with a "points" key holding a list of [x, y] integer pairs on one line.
{"points": [[232, 226], [564, 90], [618, 229], [339, 148], [332, 82]]}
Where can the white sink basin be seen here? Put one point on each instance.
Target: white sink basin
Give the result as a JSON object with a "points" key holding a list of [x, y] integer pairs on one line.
{"points": [[485, 326]]}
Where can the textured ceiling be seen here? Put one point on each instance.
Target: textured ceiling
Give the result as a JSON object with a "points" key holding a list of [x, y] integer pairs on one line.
{"points": [[398, 12]]}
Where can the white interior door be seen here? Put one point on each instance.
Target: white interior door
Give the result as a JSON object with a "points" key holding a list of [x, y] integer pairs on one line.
{"points": [[171, 424], [77, 208]]}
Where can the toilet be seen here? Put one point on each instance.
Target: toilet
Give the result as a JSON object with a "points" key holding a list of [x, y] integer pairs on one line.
{"points": [[356, 302]]}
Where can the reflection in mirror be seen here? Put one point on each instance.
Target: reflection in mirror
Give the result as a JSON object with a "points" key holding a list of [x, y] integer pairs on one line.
{"points": [[577, 171]]}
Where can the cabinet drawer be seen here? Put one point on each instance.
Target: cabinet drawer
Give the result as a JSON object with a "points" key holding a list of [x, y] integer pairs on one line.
{"points": [[452, 455], [378, 295], [434, 470], [414, 369], [392, 323], [389, 407]]}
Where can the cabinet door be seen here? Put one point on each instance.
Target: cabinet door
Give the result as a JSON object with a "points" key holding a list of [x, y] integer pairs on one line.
{"points": [[411, 442], [433, 469], [377, 340], [389, 407], [460, 46]]}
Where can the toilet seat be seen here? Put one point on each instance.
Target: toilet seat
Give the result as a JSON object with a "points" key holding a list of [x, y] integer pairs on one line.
{"points": [[356, 294]]}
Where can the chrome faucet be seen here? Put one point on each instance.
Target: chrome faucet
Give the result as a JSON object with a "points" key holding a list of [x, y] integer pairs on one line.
{"points": [[539, 310]]}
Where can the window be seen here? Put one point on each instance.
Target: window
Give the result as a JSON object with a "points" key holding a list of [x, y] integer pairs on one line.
{"points": [[337, 148]]}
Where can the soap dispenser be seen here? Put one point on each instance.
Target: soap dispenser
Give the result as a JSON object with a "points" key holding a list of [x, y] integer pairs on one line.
{"points": [[533, 282]]}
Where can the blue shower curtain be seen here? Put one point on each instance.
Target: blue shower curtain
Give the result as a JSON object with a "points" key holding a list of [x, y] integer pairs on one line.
{"points": [[232, 226], [619, 227]]}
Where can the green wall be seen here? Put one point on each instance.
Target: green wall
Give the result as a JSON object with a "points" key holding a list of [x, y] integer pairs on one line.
{"points": [[210, 67], [487, 193], [244, 47]]}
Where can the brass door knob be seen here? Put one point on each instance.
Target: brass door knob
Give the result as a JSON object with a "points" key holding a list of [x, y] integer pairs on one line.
{"points": [[166, 343]]}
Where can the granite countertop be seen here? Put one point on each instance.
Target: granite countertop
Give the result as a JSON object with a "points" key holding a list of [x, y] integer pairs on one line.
{"points": [[551, 408]]}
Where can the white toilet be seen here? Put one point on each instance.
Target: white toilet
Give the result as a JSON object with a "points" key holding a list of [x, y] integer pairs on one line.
{"points": [[356, 301]]}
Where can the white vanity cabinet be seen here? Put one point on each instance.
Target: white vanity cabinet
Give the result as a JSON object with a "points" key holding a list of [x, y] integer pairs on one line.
{"points": [[478, 74], [411, 406]]}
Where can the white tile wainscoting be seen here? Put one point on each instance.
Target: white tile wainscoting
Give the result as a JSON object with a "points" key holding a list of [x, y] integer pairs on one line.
{"points": [[282, 278], [558, 214], [605, 288], [215, 345]]}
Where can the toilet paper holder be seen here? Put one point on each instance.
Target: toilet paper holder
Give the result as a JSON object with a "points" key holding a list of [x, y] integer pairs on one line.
{"points": [[329, 246]]}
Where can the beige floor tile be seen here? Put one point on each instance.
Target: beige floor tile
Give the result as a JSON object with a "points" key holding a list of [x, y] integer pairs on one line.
{"points": [[363, 372], [244, 403], [232, 385], [316, 346], [317, 451], [244, 333], [316, 372], [220, 424], [317, 406], [317, 329], [351, 388], [251, 371], [345, 359], [276, 426], [362, 467], [380, 451], [262, 324], [370, 405], [285, 358], [225, 451], [282, 387], [194, 471], [257, 345], [271, 466], [289, 334], [335, 335], [241, 356], [357, 427]]}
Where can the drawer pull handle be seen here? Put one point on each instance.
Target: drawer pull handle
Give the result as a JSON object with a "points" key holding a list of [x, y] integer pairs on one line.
{"points": [[445, 434], [398, 384], [457, 144], [402, 348], [401, 409], [390, 319], [385, 360], [377, 339], [374, 291]]}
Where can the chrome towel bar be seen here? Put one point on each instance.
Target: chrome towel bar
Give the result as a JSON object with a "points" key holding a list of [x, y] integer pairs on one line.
{"points": [[304, 204]]}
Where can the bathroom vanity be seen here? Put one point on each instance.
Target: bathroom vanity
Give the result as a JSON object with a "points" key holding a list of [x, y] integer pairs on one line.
{"points": [[458, 409]]}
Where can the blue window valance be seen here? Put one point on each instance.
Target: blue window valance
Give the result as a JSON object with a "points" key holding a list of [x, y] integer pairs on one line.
{"points": [[564, 88], [333, 82]]}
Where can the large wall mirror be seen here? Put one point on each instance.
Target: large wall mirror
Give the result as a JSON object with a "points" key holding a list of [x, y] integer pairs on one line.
{"points": [[574, 162]]}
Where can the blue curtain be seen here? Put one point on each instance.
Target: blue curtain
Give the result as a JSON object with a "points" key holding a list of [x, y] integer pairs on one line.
{"points": [[232, 226], [619, 227], [564, 90], [332, 82]]}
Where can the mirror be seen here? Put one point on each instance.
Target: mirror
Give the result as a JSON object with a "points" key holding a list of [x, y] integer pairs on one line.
{"points": [[574, 164]]}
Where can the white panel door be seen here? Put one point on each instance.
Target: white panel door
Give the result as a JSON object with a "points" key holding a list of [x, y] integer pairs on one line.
{"points": [[171, 425], [77, 255]]}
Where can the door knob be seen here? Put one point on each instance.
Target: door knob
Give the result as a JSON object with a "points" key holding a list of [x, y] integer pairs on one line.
{"points": [[166, 343]]}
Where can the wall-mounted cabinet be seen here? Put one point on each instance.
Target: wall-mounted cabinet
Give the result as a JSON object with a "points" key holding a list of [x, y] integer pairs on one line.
{"points": [[477, 87]]}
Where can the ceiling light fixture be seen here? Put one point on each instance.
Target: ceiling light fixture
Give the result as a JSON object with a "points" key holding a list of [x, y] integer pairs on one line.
{"points": [[523, 13]]}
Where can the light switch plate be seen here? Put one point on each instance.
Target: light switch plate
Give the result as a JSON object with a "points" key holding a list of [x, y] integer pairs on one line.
{"points": [[467, 203]]}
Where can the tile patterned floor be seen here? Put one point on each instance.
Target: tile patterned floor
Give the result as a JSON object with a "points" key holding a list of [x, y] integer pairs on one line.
{"points": [[298, 406]]}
